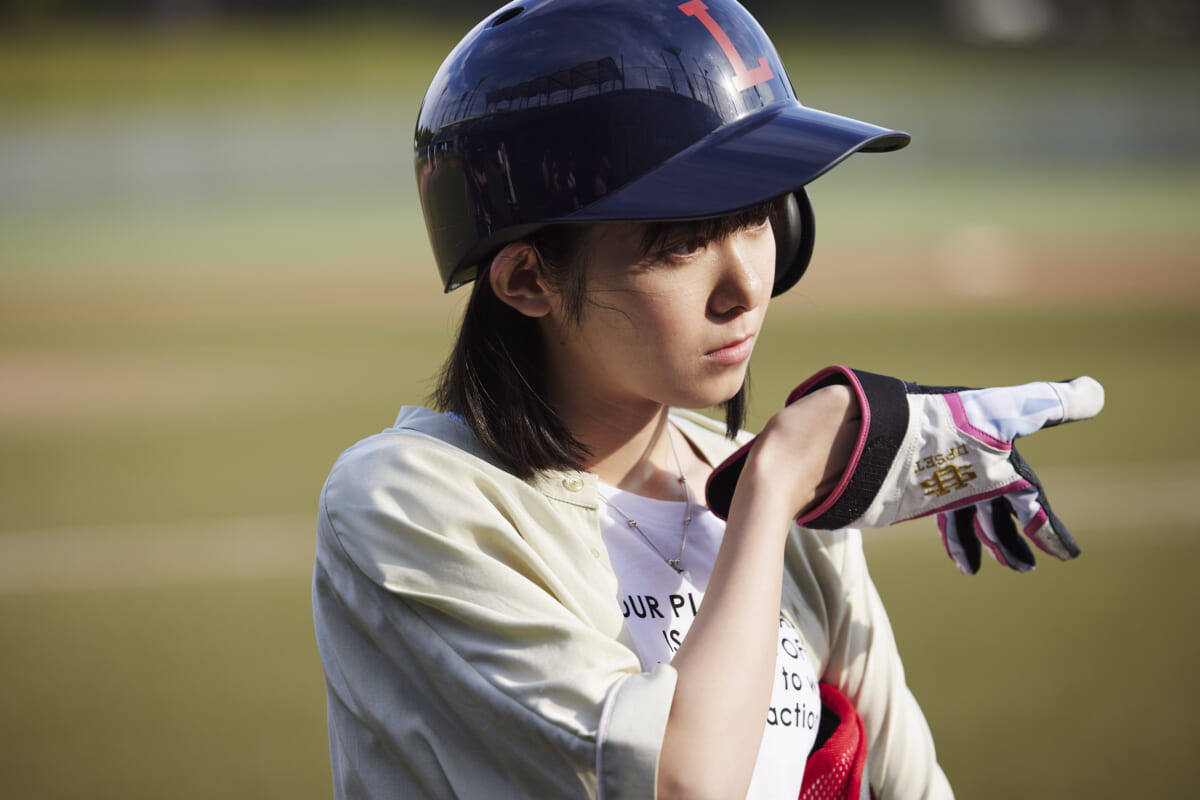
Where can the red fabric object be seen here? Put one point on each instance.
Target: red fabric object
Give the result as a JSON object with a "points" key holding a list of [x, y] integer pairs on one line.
{"points": [[835, 770]]}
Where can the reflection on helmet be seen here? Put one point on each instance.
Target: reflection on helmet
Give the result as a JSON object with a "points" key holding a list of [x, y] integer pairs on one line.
{"points": [[567, 111]]}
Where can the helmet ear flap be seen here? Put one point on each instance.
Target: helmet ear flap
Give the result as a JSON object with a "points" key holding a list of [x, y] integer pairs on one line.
{"points": [[794, 231]]}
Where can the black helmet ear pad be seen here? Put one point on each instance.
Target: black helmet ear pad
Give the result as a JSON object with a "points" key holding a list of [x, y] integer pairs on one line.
{"points": [[794, 229]]}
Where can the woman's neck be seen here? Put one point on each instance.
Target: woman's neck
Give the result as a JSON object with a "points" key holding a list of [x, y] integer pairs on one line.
{"points": [[643, 456]]}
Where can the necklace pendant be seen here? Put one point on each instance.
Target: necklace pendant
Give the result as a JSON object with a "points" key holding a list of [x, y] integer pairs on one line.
{"points": [[674, 562]]}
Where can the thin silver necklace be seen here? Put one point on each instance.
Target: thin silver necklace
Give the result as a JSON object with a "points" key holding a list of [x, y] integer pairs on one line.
{"points": [[674, 563]]}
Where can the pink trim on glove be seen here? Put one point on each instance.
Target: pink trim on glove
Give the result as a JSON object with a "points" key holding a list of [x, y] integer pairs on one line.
{"points": [[1040, 519], [860, 443], [738, 455], [994, 547], [959, 412]]}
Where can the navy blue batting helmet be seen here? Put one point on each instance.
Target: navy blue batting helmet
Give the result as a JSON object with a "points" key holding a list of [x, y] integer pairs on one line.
{"points": [[577, 111]]}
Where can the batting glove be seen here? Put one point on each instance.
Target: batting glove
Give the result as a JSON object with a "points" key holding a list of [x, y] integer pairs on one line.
{"points": [[925, 450]]}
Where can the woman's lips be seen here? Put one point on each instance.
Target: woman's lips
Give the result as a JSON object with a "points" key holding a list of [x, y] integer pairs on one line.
{"points": [[734, 353]]}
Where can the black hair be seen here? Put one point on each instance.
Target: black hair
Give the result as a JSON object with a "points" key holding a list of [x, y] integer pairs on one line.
{"points": [[494, 378]]}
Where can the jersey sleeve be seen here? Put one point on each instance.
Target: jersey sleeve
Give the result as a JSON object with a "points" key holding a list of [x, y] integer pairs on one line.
{"points": [[470, 648], [860, 657]]}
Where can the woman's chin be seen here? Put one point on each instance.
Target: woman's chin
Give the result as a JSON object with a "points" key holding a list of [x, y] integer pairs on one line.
{"points": [[713, 397]]}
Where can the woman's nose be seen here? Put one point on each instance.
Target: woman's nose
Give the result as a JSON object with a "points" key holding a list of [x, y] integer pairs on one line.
{"points": [[744, 274]]}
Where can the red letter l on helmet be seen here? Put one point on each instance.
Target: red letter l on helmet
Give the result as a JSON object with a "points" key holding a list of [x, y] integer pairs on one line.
{"points": [[743, 78]]}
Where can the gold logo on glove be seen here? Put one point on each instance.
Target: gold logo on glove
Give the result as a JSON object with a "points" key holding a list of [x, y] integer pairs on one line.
{"points": [[949, 478], [938, 459]]}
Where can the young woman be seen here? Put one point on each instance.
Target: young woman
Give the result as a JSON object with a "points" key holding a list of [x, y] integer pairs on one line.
{"points": [[525, 593]]}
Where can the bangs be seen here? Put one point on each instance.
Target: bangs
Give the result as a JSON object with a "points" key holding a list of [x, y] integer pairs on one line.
{"points": [[658, 234]]}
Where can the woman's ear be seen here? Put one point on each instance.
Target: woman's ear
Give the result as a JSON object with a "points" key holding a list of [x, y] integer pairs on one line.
{"points": [[516, 279]]}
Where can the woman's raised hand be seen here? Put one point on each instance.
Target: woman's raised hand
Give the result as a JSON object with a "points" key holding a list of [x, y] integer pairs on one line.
{"points": [[804, 449], [922, 450]]}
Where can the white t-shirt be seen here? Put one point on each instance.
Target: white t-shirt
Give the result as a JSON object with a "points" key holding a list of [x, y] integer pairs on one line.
{"points": [[659, 605]]}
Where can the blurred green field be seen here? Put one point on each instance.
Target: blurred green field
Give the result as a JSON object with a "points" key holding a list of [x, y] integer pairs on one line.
{"points": [[177, 376], [1031, 683]]}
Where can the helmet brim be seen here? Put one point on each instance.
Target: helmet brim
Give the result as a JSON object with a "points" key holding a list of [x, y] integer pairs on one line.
{"points": [[763, 156]]}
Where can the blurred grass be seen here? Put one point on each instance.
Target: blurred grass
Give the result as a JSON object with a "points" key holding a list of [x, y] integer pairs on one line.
{"points": [[904, 203], [90, 70], [1053, 684], [205, 355], [1071, 681], [1029, 681], [189, 691], [96, 68]]}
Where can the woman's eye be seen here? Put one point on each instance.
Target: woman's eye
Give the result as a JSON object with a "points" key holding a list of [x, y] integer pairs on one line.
{"points": [[756, 226], [685, 247]]}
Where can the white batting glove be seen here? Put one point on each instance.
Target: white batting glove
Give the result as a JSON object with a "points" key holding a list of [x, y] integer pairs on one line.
{"points": [[948, 451]]}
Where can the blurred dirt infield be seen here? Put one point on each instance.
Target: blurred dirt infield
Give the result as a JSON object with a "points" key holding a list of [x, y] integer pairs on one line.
{"points": [[43, 381], [989, 265], [975, 263], [1092, 500]]}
